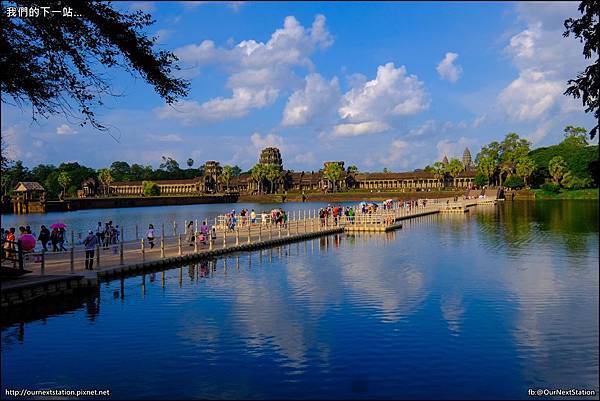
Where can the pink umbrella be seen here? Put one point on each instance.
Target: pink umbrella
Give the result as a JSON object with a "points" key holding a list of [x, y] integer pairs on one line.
{"points": [[58, 226], [27, 242]]}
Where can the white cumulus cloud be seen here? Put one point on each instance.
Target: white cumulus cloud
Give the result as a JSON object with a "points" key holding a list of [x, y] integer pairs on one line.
{"points": [[316, 100], [545, 60], [530, 95], [370, 108], [368, 127], [447, 69], [258, 71]]}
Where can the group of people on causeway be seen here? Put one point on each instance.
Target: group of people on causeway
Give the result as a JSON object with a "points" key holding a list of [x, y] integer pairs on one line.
{"points": [[55, 237], [107, 235]]}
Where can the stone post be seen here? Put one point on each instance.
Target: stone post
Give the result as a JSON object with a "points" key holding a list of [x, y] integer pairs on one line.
{"points": [[162, 243], [43, 263], [72, 252], [122, 239]]}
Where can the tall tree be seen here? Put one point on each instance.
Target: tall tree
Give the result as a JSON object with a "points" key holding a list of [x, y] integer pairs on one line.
{"points": [[120, 171], [587, 84], [226, 175], [524, 168], [512, 148], [258, 173], [170, 165], [272, 174], [64, 179], [236, 170], [454, 168], [486, 166], [13, 175], [575, 136], [57, 64], [106, 179], [352, 169], [557, 168], [439, 170], [333, 173]]}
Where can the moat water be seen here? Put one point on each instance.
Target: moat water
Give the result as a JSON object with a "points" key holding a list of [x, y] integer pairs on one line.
{"points": [[483, 305]]}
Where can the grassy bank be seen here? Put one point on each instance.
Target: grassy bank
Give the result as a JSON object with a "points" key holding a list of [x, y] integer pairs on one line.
{"points": [[590, 193]]}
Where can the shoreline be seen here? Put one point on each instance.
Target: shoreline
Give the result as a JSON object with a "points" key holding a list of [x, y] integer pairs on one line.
{"points": [[347, 196]]}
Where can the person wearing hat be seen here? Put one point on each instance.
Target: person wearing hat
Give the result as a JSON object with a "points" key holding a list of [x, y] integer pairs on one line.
{"points": [[90, 243]]}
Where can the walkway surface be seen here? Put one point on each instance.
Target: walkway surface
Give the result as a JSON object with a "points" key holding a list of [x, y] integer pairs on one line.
{"points": [[129, 254]]}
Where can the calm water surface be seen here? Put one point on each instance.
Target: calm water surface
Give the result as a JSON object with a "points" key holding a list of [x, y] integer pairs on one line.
{"points": [[486, 305]]}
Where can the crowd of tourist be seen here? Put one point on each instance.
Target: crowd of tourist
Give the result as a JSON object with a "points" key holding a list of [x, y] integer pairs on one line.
{"points": [[56, 238], [245, 217]]}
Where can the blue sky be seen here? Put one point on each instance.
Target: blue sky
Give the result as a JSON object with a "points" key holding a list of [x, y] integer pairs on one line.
{"points": [[395, 85]]}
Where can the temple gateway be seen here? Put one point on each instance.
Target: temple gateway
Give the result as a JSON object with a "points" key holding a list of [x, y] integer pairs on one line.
{"points": [[289, 180]]}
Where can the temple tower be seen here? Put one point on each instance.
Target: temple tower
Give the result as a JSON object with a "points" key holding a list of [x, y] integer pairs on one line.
{"points": [[271, 156], [467, 162]]}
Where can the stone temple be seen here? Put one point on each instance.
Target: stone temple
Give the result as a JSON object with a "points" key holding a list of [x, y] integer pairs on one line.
{"points": [[288, 180], [466, 161], [271, 156]]}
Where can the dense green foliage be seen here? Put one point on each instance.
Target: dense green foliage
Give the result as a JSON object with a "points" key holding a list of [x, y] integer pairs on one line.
{"points": [[48, 175], [514, 182], [480, 180], [582, 161], [572, 163], [150, 188], [550, 187]]}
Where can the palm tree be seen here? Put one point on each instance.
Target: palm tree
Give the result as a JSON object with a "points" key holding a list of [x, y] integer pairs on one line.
{"points": [[557, 167], [64, 180], [258, 174], [226, 174], [352, 170], [272, 173], [333, 172], [439, 170], [454, 168], [105, 178], [525, 167]]}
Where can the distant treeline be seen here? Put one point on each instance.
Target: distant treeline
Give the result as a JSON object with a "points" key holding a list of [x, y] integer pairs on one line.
{"points": [[572, 163], [73, 175]]}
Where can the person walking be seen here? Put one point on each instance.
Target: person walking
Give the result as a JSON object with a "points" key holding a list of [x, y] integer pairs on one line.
{"points": [[9, 245], [204, 229], [61, 239], [90, 243], [253, 216], [44, 237], [100, 233], [189, 230], [150, 235], [54, 239]]}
